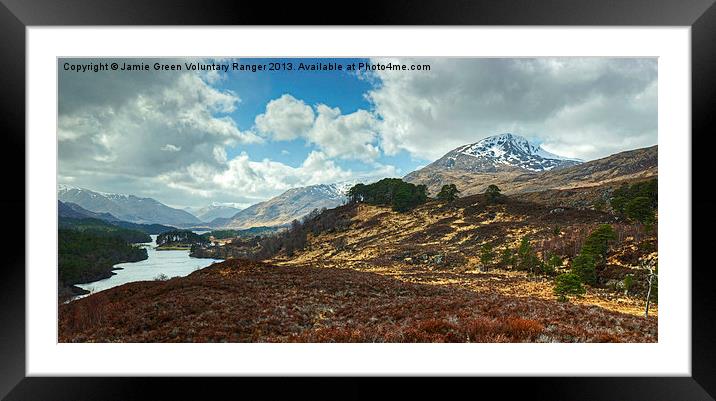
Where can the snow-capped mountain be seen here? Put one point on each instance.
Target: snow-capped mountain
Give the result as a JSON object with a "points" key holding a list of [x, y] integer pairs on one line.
{"points": [[126, 207], [499, 151], [517, 166], [292, 204], [499, 158]]}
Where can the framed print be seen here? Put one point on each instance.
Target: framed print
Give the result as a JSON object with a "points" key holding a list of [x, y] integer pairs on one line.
{"points": [[461, 190]]}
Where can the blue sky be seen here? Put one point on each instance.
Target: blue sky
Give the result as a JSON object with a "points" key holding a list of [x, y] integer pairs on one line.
{"points": [[342, 89], [194, 138]]}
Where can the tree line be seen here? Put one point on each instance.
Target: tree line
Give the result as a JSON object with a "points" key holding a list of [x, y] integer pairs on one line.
{"points": [[295, 237], [400, 195], [181, 237], [85, 256], [101, 228], [637, 202]]}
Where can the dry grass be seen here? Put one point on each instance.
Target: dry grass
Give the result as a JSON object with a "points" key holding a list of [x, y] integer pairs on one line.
{"points": [[391, 277], [242, 301], [385, 244]]}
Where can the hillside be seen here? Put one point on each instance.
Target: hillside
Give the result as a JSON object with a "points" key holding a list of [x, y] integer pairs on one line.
{"points": [[98, 227], [376, 275], [85, 255], [75, 211], [438, 242], [633, 164], [243, 301]]}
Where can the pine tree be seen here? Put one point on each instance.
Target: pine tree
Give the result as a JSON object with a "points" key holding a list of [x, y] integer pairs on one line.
{"points": [[448, 192], [550, 266], [526, 258], [640, 209], [507, 258], [487, 255], [597, 243], [568, 284], [583, 266], [493, 193]]}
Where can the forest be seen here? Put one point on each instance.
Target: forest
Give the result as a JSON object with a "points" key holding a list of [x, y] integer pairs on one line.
{"points": [[101, 228], [89, 255], [180, 238], [400, 195]]}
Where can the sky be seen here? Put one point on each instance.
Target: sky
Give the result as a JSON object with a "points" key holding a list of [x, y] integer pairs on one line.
{"points": [[193, 138]]}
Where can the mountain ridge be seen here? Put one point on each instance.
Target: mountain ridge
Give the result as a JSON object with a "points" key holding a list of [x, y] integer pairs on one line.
{"points": [[126, 207], [291, 204], [213, 211], [499, 153], [474, 176]]}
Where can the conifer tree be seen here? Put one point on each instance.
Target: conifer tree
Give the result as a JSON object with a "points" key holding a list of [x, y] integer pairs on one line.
{"points": [[568, 284], [448, 192], [583, 266]]}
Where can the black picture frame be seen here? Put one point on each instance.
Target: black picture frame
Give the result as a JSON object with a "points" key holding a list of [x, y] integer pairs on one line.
{"points": [[16, 15]]}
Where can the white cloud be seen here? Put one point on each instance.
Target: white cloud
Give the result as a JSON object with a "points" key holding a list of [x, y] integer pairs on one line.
{"points": [[349, 136], [579, 107], [270, 177], [135, 124], [285, 118], [248, 181], [165, 135], [171, 148]]}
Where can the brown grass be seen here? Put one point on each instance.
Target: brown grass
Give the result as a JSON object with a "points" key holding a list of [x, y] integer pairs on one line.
{"points": [[242, 301]]}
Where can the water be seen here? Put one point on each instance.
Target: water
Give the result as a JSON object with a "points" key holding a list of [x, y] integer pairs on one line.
{"points": [[167, 263]]}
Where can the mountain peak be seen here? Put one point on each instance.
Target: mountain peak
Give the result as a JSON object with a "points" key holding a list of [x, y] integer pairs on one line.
{"points": [[503, 150]]}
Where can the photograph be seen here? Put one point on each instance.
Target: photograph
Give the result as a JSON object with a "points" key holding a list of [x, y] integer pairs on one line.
{"points": [[357, 200]]}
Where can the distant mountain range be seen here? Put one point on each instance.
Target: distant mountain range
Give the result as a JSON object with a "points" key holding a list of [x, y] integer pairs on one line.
{"points": [[292, 204], [213, 211], [69, 213], [507, 160], [515, 166], [127, 207], [75, 211]]}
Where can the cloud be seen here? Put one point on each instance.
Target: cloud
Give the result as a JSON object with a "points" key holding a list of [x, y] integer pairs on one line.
{"points": [[270, 177], [285, 118], [165, 135], [578, 107], [349, 136], [171, 148], [144, 123], [244, 180]]}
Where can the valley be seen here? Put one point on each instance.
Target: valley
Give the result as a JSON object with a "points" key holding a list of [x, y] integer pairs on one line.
{"points": [[386, 276], [526, 247]]}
